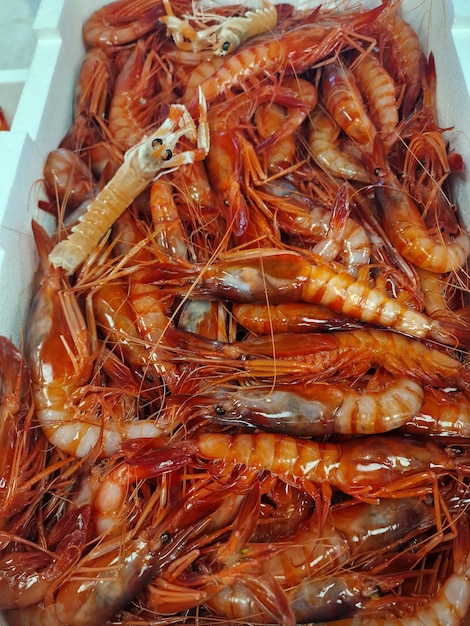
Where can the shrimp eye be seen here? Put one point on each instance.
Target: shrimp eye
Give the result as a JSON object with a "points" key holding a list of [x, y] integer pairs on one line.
{"points": [[165, 537], [219, 410], [226, 46], [226, 202], [167, 156], [377, 171], [157, 142]]}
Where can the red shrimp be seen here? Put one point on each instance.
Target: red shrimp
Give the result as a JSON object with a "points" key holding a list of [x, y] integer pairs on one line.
{"points": [[405, 226], [317, 551], [293, 51], [321, 408], [60, 355], [378, 88], [353, 352], [325, 149], [281, 276], [445, 412], [402, 53], [121, 22], [137, 95], [344, 102], [380, 466], [27, 576], [290, 317], [68, 180]]}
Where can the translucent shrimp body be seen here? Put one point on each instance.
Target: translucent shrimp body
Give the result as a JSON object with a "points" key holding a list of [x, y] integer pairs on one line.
{"points": [[318, 409], [141, 164]]}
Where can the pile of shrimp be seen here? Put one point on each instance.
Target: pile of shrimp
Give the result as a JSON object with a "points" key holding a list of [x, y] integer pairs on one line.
{"points": [[244, 390]]}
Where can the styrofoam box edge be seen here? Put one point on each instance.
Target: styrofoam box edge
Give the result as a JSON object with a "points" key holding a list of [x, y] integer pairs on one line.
{"points": [[44, 111]]}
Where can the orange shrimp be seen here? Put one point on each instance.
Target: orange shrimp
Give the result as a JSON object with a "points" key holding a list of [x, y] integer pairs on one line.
{"points": [[402, 54], [169, 233], [321, 408], [290, 317], [317, 552], [121, 22], [293, 51], [130, 117], [379, 466], [405, 226], [60, 356], [326, 151], [141, 164], [221, 38], [224, 164], [379, 91], [299, 97], [353, 352], [281, 276], [68, 180], [336, 235], [345, 104]]}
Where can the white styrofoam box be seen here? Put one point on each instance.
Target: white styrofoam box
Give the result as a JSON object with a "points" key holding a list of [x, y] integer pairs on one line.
{"points": [[43, 114]]}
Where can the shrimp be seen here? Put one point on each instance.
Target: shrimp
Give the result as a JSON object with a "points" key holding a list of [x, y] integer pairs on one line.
{"points": [[293, 51], [317, 551], [27, 576], [169, 232], [130, 116], [448, 606], [355, 352], [292, 317], [405, 226], [60, 357], [141, 164], [403, 55], [67, 178], [299, 97], [223, 38], [445, 412], [379, 91], [120, 572], [369, 467], [121, 22], [325, 150], [255, 276], [321, 408], [334, 232], [344, 102]]}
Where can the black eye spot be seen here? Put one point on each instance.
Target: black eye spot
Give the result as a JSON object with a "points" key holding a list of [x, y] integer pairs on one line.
{"points": [[157, 142], [165, 537], [377, 171], [219, 410], [226, 46], [167, 156]]}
